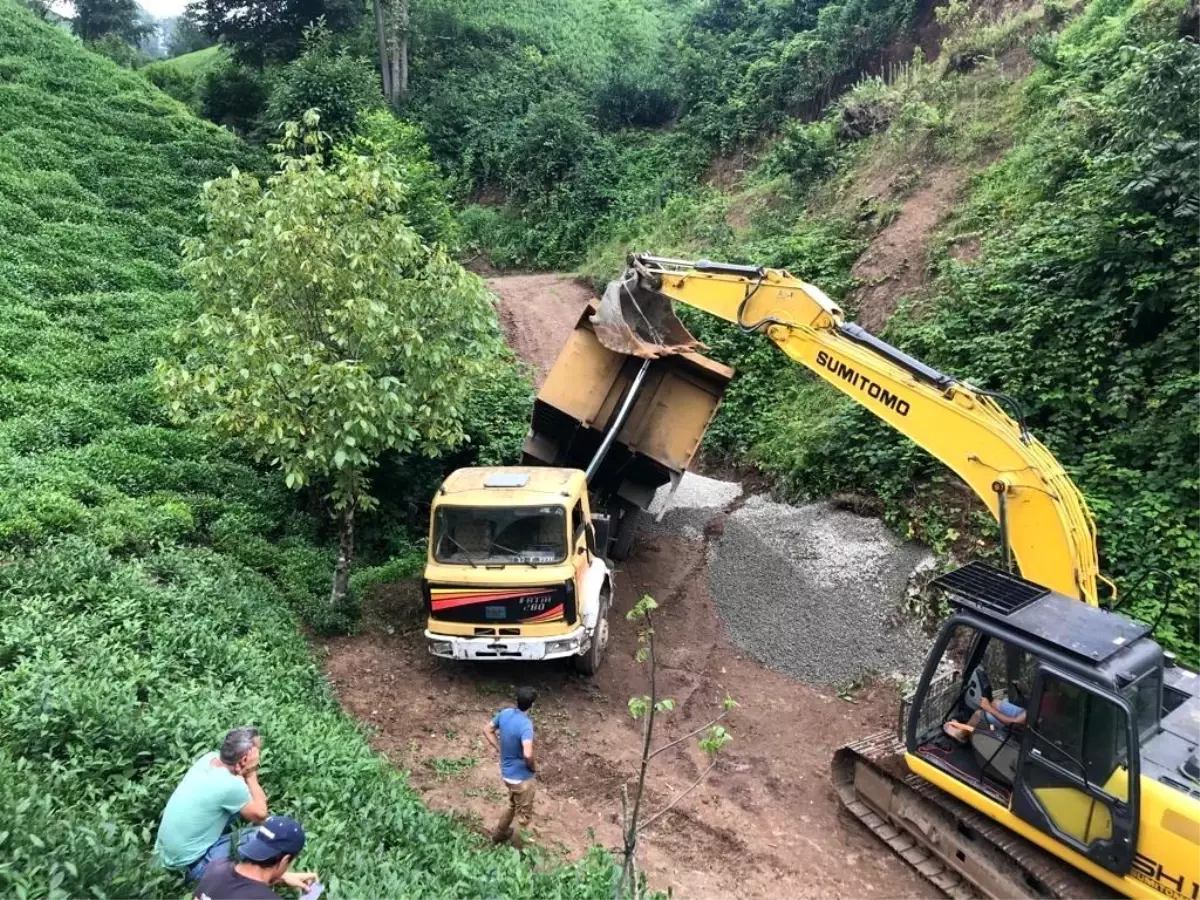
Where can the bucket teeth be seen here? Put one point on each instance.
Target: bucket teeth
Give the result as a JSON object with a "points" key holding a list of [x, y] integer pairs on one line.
{"points": [[638, 321]]}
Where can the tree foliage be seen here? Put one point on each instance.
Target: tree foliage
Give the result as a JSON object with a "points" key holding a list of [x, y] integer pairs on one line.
{"points": [[329, 331], [261, 31], [95, 19], [332, 80], [188, 35]]}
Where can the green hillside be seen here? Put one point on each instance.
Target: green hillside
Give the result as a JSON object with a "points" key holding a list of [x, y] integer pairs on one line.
{"points": [[191, 63], [132, 631]]}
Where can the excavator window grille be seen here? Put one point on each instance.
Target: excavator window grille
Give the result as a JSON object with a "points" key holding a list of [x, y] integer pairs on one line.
{"points": [[979, 585]]}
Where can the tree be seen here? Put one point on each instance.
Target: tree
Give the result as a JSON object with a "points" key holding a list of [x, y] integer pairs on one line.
{"points": [[188, 36], [392, 26], [646, 709], [95, 19], [43, 9], [329, 332], [260, 31]]}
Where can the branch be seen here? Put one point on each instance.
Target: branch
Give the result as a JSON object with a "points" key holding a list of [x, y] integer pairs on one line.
{"points": [[689, 734], [668, 808]]}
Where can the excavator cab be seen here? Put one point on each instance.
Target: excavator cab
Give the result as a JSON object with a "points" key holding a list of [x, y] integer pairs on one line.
{"points": [[1092, 713]]}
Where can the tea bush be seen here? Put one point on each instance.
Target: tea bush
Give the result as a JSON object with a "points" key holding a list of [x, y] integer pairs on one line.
{"points": [[146, 573]]}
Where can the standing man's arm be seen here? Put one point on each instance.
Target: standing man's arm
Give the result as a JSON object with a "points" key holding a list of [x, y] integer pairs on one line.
{"points": [[490, 732], [527, 750], [527, 746]]}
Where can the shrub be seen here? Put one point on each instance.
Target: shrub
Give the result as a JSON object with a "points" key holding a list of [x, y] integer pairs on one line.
{"points": [[803, 151], [332, 80], [233, 95]]}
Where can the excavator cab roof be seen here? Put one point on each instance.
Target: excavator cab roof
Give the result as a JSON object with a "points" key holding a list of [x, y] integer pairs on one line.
{"points": [[1089, 634]]}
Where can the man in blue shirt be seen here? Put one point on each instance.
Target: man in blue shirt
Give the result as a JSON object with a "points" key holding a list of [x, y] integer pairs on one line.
{"points": [[511, 734]]}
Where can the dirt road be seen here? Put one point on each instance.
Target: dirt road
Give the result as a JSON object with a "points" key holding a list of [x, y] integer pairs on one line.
{"points": [[764, 824], [537, 313]]}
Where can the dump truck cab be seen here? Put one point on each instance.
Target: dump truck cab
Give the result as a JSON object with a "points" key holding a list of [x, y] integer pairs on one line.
{"points": [[513, 570]]}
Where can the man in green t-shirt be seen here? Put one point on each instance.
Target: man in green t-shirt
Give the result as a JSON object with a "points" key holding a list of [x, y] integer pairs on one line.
{"points": [[197, 823]]}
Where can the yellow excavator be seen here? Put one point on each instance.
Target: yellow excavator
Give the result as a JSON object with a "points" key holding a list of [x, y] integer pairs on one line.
{"points": [[1050, 746]]}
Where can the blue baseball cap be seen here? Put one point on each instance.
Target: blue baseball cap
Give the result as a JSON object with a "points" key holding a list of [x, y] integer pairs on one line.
{"points": [[274, 837]]}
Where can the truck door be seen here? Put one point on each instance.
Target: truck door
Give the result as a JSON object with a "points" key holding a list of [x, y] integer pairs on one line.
{"points": [[1078, 774]]}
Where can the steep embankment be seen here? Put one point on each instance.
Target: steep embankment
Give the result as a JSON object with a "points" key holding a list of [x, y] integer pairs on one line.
{"points": [[538, 312], [133, 630]]}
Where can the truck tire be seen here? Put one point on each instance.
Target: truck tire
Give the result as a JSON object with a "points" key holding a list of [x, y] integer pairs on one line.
{"points": [[589, 663], [626, 530]]}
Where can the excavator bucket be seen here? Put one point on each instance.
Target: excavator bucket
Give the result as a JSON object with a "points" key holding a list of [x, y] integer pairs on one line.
{"points": [[639, 321]]}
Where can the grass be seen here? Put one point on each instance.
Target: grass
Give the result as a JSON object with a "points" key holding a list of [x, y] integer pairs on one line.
{"points": [[445, 768], [193, 63]]}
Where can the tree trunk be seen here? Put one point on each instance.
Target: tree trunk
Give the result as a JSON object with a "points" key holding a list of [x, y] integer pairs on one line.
{"points": [[381, 39], [629, 868], [395, 70], [404, 64], [402, 39], [341, 573]]}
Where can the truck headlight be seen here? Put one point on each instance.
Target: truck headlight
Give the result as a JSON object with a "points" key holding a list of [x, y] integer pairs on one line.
{"points": [[440, 648], [561, 646]]}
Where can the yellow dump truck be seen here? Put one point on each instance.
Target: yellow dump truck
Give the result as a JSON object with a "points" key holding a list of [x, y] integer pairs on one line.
{"points": [[517, 565]]}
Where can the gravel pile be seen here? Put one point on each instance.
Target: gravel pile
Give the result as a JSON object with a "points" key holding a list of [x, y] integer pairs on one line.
{"points": [[816, 592], [694, 504]]}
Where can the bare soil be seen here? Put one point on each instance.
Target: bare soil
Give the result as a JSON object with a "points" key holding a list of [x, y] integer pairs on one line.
{"points": [[537, 313], [764, 823], [894, 264]]}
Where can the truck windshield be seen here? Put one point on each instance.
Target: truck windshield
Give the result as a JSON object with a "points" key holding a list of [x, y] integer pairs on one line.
{"points": [[478, 535]]}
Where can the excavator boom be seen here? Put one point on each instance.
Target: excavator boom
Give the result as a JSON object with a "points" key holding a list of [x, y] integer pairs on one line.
{"points": [[1044, 521]]}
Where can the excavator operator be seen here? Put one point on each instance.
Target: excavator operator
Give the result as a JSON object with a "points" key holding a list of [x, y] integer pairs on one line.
{"points": [[995, 713]]}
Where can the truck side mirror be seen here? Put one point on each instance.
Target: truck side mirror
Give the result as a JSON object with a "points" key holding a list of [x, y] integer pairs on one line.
{"points": [[590, 530]]}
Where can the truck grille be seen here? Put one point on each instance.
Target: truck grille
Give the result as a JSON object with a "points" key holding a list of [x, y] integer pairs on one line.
{"points": [[491, 608]]}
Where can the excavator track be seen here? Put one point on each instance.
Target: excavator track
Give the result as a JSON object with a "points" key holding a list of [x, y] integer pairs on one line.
{"points": [[962, 852]]}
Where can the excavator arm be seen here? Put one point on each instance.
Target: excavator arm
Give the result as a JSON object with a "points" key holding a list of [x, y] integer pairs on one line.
{"points": [[1044, 521]]}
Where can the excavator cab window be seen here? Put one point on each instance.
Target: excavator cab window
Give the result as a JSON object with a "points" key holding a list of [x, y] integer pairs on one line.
{"points": [[1078, 779], [955, 730]]}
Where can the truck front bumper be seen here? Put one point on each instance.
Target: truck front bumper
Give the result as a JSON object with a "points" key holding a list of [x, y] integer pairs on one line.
{"points": [[494, 648]]}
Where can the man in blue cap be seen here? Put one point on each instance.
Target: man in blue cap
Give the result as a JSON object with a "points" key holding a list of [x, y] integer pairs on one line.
{"points": [[264, 860]]}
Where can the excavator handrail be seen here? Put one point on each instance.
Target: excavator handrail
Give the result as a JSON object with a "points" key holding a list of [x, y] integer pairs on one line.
{"points": [[1044, 518]]}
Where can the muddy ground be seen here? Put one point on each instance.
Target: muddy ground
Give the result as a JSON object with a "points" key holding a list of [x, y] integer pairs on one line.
{"points": [[763, 824]]}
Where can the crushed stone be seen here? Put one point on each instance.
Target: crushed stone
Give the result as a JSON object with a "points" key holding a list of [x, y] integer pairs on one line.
{"points": [[816, 592], [686, 515], [696, 492]]}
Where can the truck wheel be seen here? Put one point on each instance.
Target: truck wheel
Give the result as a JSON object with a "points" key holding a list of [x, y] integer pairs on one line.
{"points": [[589, 663], [626, 531]]}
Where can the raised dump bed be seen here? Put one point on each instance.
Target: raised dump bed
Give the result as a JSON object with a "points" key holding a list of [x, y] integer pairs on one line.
{"points": [[655, 443]]}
